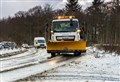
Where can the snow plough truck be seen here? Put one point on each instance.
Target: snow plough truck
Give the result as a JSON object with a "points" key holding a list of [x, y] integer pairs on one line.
{"points": [[66, 36]]}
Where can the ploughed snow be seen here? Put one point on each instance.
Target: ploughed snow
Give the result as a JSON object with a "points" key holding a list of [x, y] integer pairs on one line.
{"points": [[95, 66], [5, 51], [30, 57]]}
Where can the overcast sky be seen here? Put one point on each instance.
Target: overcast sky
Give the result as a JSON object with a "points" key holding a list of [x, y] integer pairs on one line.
{"points": [[10, 7]]}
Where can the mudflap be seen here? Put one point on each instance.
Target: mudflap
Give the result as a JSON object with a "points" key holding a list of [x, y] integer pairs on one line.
{"points": [[66, 46]]}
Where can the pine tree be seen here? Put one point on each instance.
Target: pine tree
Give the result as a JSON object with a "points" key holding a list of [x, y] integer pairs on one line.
{"points": [[97, 2], [72, 6]]}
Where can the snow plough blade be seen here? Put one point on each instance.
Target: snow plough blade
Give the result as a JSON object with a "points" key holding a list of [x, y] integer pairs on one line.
{"points": [[66, 46]]}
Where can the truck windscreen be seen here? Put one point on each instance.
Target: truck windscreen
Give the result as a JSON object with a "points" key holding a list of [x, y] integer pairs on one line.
{"points": [[41, 41], [65, 26]]}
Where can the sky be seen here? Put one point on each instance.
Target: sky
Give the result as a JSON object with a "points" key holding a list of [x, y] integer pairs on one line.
{"points": [[10, 7]]}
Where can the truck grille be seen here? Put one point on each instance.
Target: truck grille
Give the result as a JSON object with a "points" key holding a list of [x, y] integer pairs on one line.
{"points": [[65, 38], [42, 45]]}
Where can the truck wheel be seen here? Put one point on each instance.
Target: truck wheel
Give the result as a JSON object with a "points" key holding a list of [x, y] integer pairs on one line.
{"points": [[52, 54], [45, 47], [77, 53], [58, 53]]}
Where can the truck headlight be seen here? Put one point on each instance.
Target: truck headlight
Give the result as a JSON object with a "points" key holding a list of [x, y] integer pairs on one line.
{"points": [[51, 32], [78, 30]]}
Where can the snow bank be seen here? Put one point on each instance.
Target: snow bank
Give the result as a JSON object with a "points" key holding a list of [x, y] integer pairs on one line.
{"points": [[4, 53], [101, 53], [88, 68]]}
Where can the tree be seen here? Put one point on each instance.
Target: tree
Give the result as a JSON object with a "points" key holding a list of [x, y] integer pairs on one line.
{"points": [[97, 3], [95, 13], [72, 6], [25, 25]]}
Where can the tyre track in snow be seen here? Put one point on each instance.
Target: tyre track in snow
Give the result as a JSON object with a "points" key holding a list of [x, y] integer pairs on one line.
{"points": [[26, 65], [82, 76], [39, 67], [8, 55], [60, 58], [57, 75], [18, 61], [19, 55]]}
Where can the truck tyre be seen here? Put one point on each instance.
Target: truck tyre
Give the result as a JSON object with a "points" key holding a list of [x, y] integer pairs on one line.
{"points": [[52, 54], [58, 53], [77, 53], [45, 47]]}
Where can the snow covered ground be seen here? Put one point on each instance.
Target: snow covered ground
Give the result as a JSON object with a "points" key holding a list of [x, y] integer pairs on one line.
{"points": [[37, 67], [30, 57], [10, 52], [4, 51], [95, 66]]}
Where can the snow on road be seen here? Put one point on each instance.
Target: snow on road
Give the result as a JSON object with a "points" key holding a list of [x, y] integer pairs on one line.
{"points": [[29, 57], [7, 51], [95, 66], [34, 69], [88, 68], [4, 53], [27, 52]]}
